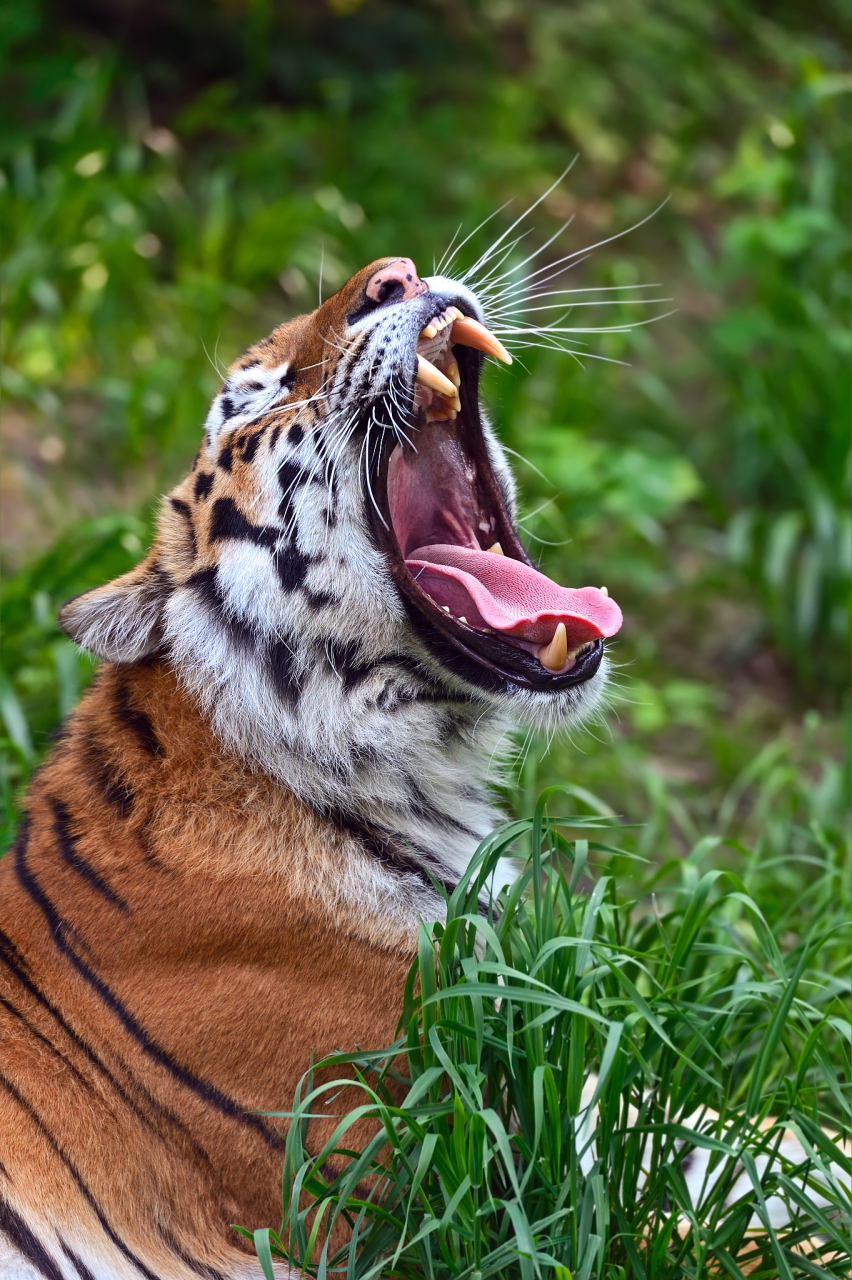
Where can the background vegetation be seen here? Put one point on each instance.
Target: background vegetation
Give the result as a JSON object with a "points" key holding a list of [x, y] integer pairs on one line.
{"points": [[172, 175]]}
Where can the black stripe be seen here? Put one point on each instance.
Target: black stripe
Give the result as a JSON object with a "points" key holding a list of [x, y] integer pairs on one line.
{"points": [[290, 477], [250, 443], [386, 849], [146, 844], [15, 1229], [344, 656], [206, 583], [319, 599], [227, 521], [135, 721], [423, 807], [183, 509], [69, 854], [292, 567], [207, 1092], [200, 1268], [34, 1031], [109, 779], [281, 663], [203, 484], [18, 967], [78, 1178], [77, 1263]]}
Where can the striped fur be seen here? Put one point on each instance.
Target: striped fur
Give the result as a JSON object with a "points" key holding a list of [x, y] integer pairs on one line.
{"points": [[223, 865], [225, 861]]}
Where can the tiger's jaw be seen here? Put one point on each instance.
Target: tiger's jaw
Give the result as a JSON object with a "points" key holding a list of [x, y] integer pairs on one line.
{"points": [[441, 515]]}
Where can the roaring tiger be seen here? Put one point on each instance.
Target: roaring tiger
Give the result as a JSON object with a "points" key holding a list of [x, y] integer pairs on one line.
{"points": [[225, 861]]}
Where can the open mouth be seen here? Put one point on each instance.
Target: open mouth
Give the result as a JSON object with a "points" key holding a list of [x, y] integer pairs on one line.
{"points": [[467, 582]]}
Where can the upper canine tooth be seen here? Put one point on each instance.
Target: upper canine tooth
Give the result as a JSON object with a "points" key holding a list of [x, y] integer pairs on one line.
{"points": [[431, 377], [470, 333], [553, 656], [429, 331]]}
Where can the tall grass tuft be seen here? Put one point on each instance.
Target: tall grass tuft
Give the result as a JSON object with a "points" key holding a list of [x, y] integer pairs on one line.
{"points": [[585, 1086]]}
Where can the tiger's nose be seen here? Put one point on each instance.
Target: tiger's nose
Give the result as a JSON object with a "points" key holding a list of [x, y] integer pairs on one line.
{"points": [[397, 282]]}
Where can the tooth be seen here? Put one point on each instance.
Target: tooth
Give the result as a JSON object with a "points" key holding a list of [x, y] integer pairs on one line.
{"points": [[553, 656], [455, 403], [431, 377], [429, 331], [497, 549], [456, 314], [470, 333], [462, 618], [452, 372], [605, 592], [446, 608]]}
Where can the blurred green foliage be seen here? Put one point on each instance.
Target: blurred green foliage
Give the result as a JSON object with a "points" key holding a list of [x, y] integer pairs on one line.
{"points": [[176, 179]]}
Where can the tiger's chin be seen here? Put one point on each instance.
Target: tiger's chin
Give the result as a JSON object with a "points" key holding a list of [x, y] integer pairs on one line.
{"points": [[442, 514]]}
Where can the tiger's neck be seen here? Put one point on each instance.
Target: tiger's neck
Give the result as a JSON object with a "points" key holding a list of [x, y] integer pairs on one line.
{"points": [[148, 768], [370, 742]]}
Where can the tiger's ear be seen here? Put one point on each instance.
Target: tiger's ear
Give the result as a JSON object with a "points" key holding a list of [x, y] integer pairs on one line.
{"points": [[122, 621]]}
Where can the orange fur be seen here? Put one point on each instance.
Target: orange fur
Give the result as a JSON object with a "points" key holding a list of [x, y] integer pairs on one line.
{"points": [[225, 949]]}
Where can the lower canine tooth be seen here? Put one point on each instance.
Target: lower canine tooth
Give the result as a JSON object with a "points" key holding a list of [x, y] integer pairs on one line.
{"points": [[605, 592], [553, 656], [431, 377], [496, 549]]}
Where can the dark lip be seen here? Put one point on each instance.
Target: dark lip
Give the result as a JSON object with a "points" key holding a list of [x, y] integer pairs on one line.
{"points": [[480, 657]]}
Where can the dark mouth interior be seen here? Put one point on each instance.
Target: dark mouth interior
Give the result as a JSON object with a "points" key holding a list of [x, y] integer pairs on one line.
{"points": [[450, 538]]}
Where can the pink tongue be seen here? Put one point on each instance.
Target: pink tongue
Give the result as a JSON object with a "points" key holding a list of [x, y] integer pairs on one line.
{"points": [[491, 590]]}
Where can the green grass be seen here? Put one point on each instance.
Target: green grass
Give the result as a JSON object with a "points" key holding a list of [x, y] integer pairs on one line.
{"points": [[168, 190], [708, 1029]]}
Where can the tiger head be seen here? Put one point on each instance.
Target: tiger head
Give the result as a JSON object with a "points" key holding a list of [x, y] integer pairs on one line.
{"points": [[339, 581]]}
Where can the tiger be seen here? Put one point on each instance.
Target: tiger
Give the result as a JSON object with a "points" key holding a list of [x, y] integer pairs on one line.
{"points": [[285, 761]]}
